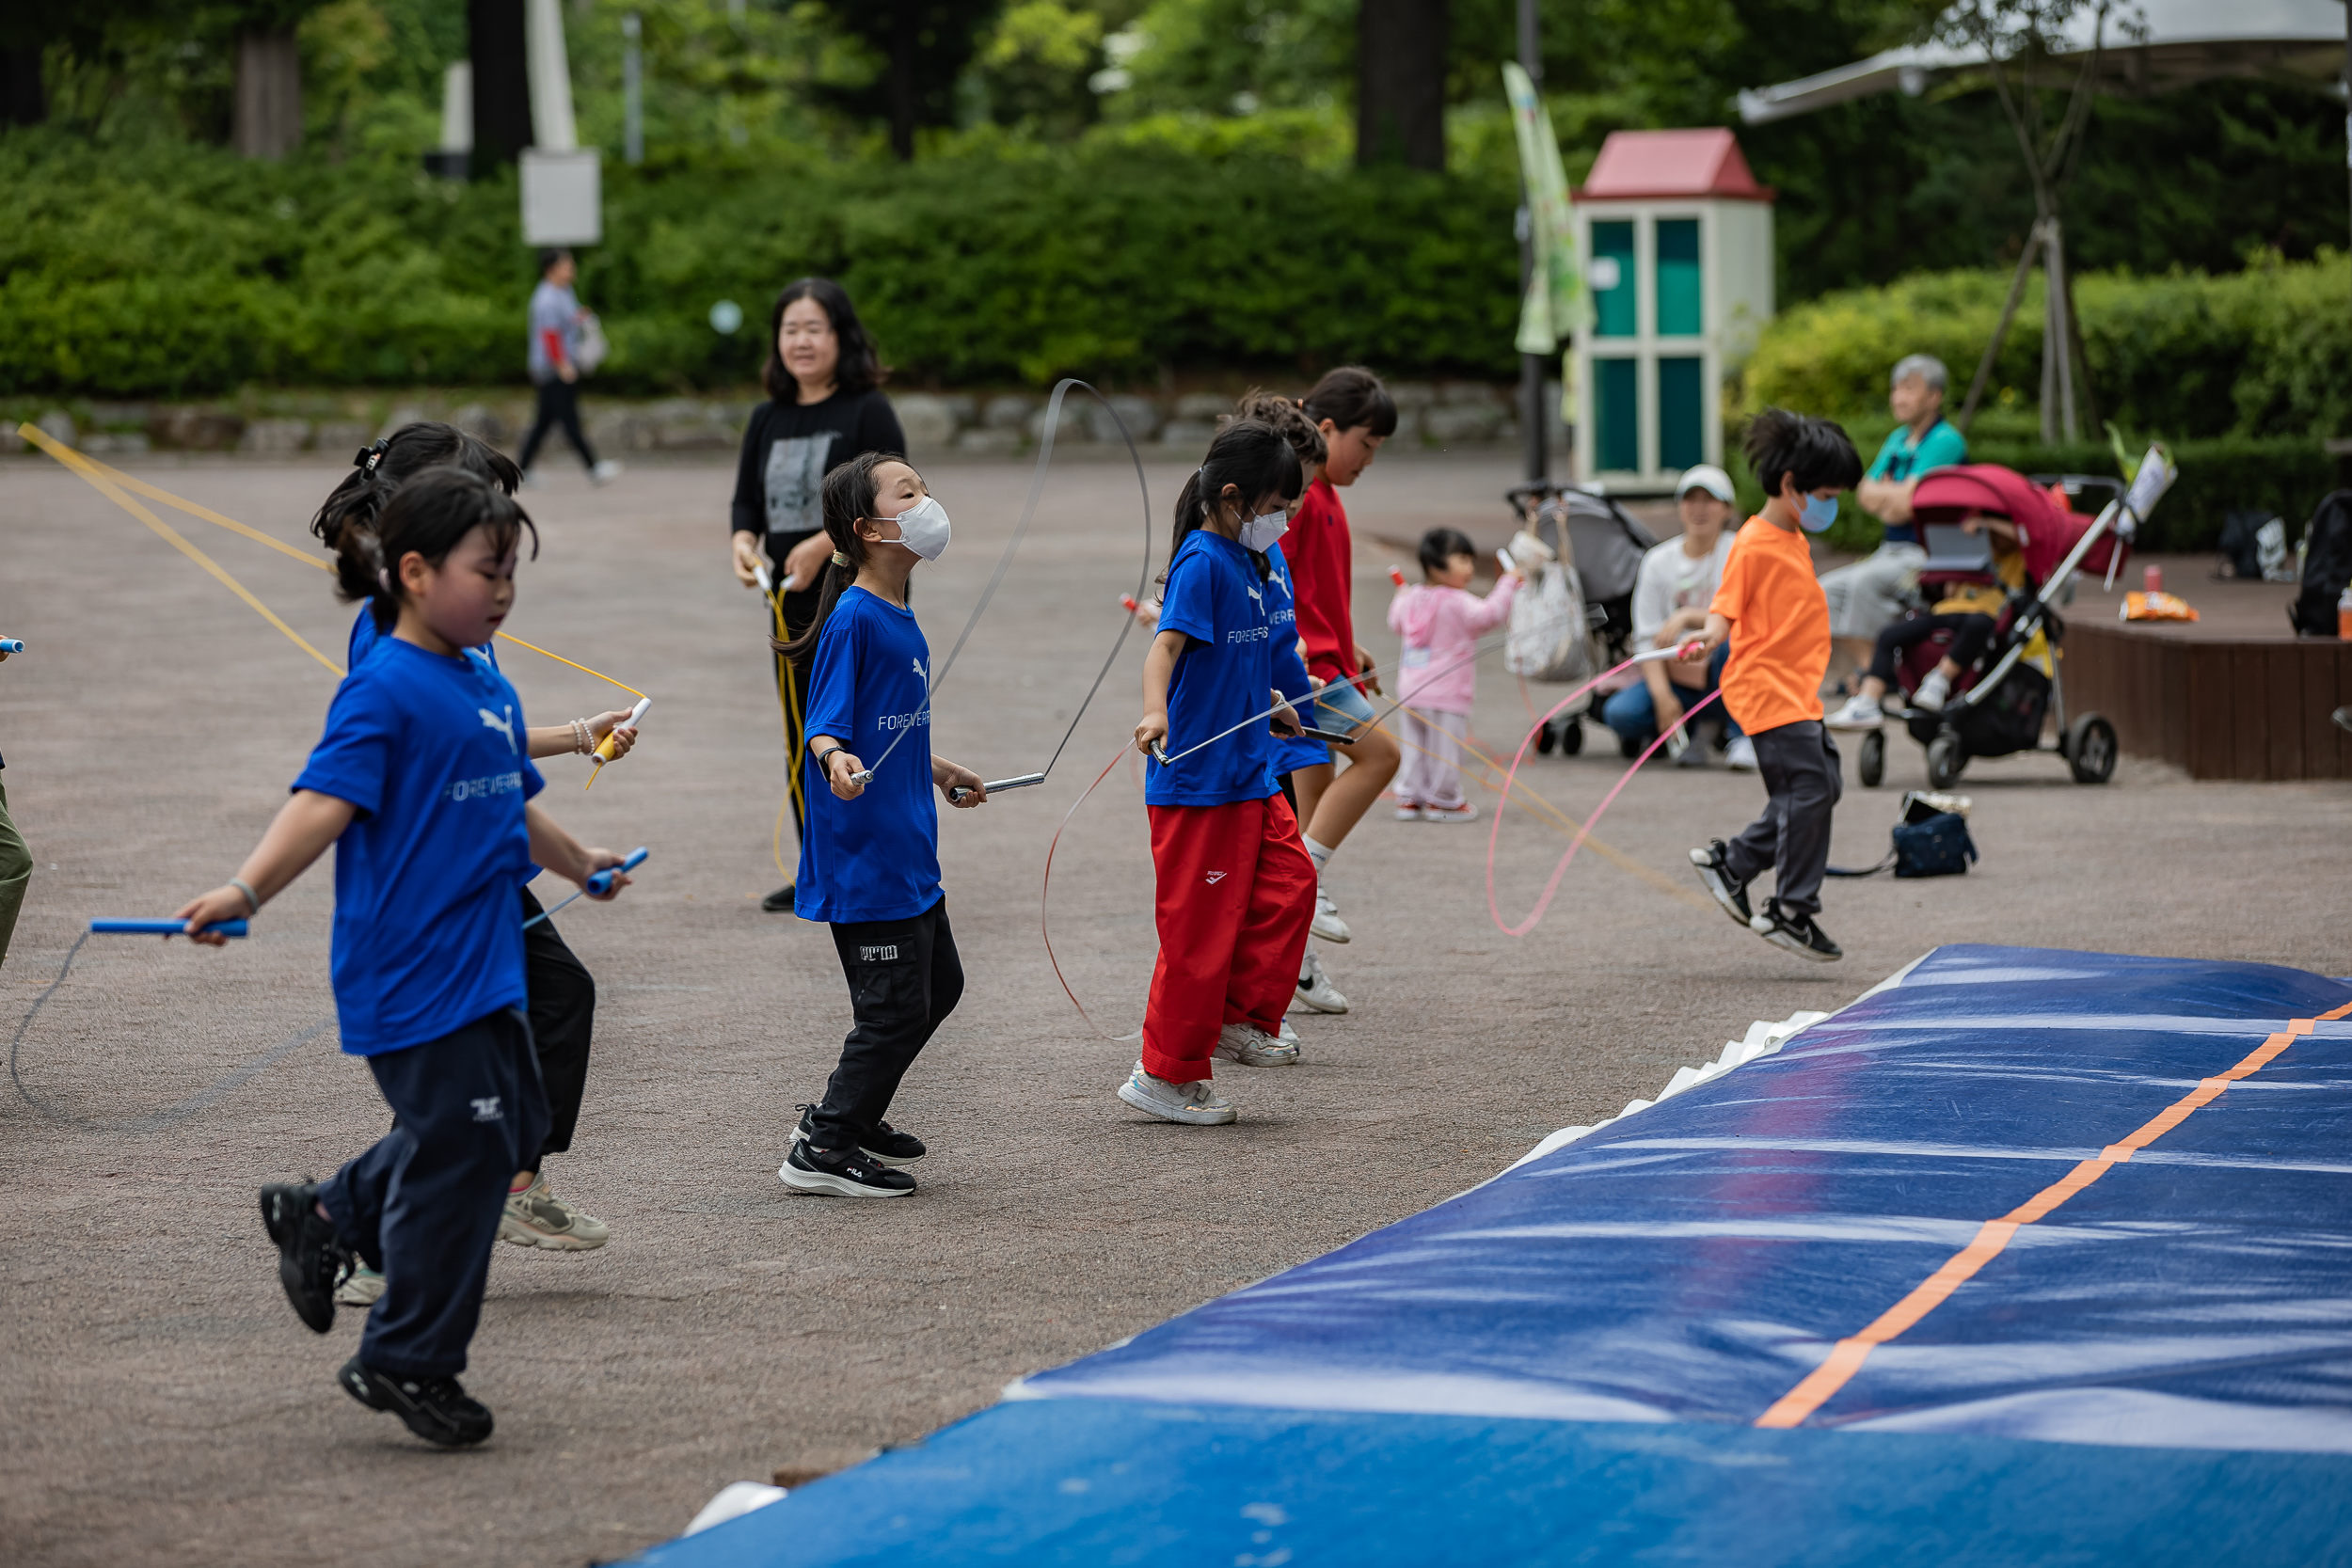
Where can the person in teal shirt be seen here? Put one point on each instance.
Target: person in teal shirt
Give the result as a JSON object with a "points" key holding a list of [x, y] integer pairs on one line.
{"points": [[1867, 597]]}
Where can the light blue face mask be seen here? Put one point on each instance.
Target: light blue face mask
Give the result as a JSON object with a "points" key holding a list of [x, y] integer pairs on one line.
{"points": [[1818, 514]]}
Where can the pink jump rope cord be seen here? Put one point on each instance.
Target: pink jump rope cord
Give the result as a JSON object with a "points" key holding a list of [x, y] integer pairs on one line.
{"points": [[1494, 831]]}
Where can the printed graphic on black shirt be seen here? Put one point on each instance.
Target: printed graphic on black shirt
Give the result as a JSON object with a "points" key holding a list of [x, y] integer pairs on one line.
{"points": [[796, 482]]}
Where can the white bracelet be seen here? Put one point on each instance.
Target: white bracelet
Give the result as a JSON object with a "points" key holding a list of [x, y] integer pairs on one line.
{"points": [[250, 896], [582, 740]]}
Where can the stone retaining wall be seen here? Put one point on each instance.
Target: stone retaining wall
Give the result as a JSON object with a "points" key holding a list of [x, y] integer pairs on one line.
{"points": [[1436, 416]]}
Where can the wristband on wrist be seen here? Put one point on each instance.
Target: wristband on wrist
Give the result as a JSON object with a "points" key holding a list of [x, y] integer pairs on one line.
{"points": [[824, 757], [251, 898]]}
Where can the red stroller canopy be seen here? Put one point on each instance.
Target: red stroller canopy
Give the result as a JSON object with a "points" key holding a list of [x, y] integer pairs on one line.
{"points": [[2047, 527]]}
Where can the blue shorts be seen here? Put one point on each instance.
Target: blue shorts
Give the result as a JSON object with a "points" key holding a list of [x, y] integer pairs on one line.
{"points": [[1342, 709]]}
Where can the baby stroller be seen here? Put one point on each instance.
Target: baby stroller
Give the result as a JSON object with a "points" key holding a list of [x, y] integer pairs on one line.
{"points": [[1578, 613], [1997, 705]]}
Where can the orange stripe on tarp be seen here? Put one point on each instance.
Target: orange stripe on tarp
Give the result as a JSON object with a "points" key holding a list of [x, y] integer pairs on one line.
{"points": [[1847, 1355]]}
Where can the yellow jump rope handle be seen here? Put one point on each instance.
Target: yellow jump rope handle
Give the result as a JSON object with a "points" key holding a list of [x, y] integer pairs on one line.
{"points": [[604, 747]]}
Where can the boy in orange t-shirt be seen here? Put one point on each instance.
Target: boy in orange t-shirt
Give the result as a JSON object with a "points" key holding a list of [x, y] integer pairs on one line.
{"points": [[1772, 609]]}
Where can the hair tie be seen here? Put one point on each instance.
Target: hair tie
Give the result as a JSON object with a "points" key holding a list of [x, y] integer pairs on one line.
{"points": [[840, 559], [370, 456], [384, 578]]}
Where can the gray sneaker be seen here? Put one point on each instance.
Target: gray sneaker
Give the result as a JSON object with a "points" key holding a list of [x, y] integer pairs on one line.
{"points": [[536, 1217], [361, 1286], [1195, 1104], [1251, 1046]]}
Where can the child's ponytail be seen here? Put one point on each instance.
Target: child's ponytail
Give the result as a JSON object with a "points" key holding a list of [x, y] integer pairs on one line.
{"points": [[849, 495], [346, 521]]}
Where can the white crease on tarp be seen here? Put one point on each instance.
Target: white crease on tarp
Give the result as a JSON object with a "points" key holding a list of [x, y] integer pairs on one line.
{"points": [[733, 1500]]}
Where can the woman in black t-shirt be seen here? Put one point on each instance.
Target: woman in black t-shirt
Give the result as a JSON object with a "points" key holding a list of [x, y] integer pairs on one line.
{"points": [[824, 408]]}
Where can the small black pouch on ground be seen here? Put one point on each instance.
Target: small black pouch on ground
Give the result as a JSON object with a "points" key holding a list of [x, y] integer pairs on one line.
{"points": [[1931, 840], [2326, 566]]}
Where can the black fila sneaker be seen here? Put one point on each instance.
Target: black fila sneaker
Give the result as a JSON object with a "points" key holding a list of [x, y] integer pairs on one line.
{"points": [[887, 1146], [850, 1173]]}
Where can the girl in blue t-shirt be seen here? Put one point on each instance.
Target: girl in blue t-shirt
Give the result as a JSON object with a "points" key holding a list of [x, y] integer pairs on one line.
{"points": [[1235, 886], [420, 783], [562, 993], [870, 855]]}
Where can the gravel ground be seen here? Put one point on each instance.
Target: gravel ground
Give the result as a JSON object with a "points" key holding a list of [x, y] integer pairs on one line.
{"points": [[163, 1403]]}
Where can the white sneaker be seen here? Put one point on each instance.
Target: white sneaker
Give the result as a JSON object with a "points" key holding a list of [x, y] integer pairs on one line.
{"points": [[361, 1286], [1315, 989], [1860, 713], [1465, 812], [605, 472], [1251, 1046], [1195, 1104], [1327, 925], [536, 1217], [1741, 756], [1408, 814], [1933, 694]]}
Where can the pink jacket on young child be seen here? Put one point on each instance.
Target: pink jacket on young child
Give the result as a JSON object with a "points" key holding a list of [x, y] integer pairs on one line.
{"points": [[1441, 627]]}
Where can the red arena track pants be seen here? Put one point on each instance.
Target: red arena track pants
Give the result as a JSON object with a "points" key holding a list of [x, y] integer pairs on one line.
{"points": [[1236, 895]]}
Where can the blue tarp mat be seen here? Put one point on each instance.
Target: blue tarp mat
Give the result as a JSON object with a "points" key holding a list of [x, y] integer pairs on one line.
{"points": [[1694, 1262], [1566, 1363], [1104, 1482]]}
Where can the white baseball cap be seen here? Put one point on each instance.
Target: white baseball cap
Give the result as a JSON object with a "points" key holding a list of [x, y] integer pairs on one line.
{"points": [[1708, 478]]}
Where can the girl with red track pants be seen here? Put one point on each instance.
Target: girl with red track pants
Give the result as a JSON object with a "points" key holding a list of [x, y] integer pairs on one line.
{"points": [[1237, 890]]}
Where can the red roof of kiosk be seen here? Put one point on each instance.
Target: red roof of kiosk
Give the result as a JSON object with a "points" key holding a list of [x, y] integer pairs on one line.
{"points": [[1668, 165]]}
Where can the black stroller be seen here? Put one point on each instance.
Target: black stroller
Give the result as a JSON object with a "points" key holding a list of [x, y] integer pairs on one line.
{"points": [[1600, 545]]}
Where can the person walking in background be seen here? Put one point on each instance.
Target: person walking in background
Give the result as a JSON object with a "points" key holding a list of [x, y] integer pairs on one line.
{"points": [[1677, 581], [556, 324], [1867, 597], [825, 408], [1772, 606], [1436, 679], [16, 863]]}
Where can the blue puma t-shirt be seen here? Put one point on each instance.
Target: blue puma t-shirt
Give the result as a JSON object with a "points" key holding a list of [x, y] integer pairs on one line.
{"points": [[431, 751], [1290, 671], [365, 640], [876, 857], [1224, 677]]}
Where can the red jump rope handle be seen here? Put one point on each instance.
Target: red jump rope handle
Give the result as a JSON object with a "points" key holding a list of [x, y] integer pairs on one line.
{"points": [[1397, 574]]}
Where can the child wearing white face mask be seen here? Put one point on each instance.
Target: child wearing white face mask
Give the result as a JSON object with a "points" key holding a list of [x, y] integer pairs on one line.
{"points": [[869, 858]]}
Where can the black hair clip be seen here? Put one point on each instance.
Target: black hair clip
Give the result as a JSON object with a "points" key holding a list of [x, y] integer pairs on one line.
{"points": [[370, 456]]}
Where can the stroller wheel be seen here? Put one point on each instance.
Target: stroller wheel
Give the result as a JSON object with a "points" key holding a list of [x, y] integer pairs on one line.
{"points": [[1872, 764], [1946, 758], [1571, 737], [1546, 739], [2090, 750]]}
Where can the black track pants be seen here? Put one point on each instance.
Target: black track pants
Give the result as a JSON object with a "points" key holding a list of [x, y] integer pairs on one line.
{"points": [[559, 404], [904, 980], [1801, 782], [562, 1016]]}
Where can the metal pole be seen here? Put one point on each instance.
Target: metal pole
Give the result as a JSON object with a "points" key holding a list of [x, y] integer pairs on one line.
{"points": [[1535, 420], [632, 91]]}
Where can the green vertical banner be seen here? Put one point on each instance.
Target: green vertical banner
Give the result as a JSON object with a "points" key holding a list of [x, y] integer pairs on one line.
{"points": [[1550, 313]]}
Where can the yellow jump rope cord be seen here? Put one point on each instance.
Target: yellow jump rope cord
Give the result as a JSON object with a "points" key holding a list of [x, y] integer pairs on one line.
{"points": [[112, 483], [789, 699]]}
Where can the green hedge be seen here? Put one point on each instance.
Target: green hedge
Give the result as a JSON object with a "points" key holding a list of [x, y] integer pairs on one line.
{"points": [[2266, 352], [2286, 475], [178, 271]]}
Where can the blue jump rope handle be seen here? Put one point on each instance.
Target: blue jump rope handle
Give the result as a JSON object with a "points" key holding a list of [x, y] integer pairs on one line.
{"points": [[12, 644], [163, 928], [600, 882]]}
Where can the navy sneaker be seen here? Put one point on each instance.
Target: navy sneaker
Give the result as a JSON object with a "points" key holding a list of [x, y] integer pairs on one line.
{"points": [[435, 1408]]}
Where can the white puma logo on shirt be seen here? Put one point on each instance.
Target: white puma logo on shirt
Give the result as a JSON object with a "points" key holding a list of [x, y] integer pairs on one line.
{"points": [[1255, 594], [919, 668], [504, 726]]}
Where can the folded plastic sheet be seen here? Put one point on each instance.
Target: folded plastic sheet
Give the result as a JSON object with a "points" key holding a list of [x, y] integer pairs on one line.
{"points": [[1694, 1262]]}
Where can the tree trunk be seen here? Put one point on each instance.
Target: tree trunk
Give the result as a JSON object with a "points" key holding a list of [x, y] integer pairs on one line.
{"points": [[1400, 83], [501, 82], [267, 122], [23, 100], [905, 88]]}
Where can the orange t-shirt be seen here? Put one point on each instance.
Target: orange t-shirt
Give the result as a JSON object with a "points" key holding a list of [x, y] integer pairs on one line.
{"points": [[1779, 629]]}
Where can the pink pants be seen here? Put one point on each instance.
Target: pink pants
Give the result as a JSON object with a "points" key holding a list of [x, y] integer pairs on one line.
{"points": [[1431, 773]]}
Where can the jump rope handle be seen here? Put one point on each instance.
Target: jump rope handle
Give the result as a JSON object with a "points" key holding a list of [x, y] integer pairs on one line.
{"points": [[1397, 574], [604, 747], [12, 644], [600, 882], [992, 785], [163, 928], [767, 583]]}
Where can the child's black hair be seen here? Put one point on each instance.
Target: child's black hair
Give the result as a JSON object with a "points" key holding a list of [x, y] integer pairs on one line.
{"points": [[380, 469], [859, 369], [850, 493], [1441, 544], [1250, 456], [428, 515], [1814, 452], [1285, 415], [1351, 397]]}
